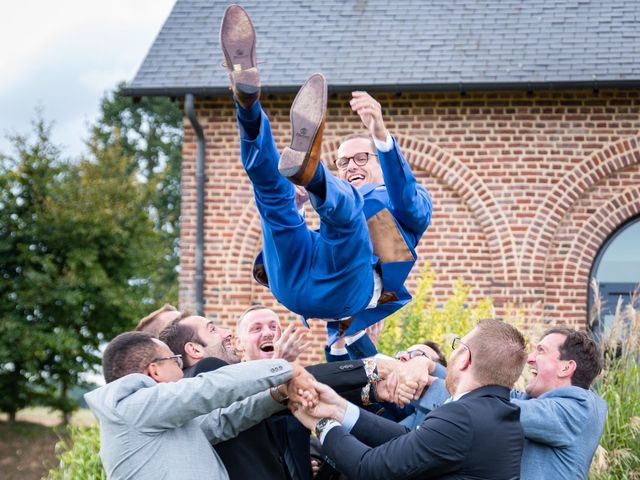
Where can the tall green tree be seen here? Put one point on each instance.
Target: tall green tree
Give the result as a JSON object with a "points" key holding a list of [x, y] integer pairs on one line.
{"points": [[78, 263], [149, 133]]}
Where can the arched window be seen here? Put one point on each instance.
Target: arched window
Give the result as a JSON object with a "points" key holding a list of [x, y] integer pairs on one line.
{"points": [[616, 269]]}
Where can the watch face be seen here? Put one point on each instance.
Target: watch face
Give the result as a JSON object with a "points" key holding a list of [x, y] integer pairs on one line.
{"points": [[320, 426]]}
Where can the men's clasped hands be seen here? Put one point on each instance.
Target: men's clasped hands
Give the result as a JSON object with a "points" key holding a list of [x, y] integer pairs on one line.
{"points": [[397, 382]]}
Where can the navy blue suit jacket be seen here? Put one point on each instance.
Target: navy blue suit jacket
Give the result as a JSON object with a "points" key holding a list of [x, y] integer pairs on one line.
{"points": [[478, 436]]}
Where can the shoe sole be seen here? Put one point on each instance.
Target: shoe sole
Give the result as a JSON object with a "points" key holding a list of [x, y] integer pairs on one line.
{"points": [[238, 43], [299, 161]]}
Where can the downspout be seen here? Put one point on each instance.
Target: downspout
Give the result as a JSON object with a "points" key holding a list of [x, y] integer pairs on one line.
{"points": [[190, 112]]}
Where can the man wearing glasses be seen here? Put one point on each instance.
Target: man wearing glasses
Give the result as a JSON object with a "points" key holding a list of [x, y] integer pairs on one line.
{"points": [[351, 272], [155, 424]]}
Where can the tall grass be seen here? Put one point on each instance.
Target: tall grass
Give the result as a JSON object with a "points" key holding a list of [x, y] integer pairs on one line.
{"points": [[619, 454]]}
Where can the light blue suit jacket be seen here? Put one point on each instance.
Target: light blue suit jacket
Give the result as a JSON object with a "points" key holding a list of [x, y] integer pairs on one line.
{"points": [[562, 429], [157, 431]]}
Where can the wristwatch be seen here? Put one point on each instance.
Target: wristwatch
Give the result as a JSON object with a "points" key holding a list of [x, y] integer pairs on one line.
{"points": [[278, 396], [322, 424]]}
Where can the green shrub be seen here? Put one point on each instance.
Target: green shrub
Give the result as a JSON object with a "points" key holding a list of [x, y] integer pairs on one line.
{"points": [[425, 319], [79, 455]]}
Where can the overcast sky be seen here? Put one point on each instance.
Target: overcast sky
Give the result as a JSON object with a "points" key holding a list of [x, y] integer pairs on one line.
{"points": [[63, 55]]}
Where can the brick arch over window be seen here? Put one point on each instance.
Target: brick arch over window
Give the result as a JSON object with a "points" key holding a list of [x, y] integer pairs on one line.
{"points": [[552, 210], [601, 224]]}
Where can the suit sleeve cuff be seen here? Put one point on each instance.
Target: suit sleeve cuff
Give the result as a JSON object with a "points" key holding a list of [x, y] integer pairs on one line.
{"points": [[385, 146], [351, 416]]}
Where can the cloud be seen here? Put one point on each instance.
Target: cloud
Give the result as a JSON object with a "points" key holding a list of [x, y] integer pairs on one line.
{"points": [[65, 55]]}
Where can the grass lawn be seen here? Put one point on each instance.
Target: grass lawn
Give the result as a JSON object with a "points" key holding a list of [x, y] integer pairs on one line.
{"points": [[27, 446]]}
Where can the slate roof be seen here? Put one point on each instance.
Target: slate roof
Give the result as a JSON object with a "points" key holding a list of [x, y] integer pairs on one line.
{"points": [[404, 45]]}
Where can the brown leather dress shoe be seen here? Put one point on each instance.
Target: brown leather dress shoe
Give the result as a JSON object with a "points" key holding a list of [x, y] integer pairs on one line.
{"points": [[299, 161], [238, 42]]}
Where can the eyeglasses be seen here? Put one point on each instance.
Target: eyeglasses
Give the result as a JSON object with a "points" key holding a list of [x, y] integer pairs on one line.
{"points": [[457, 341], [360, 159], [410, 354], [175, 358]]}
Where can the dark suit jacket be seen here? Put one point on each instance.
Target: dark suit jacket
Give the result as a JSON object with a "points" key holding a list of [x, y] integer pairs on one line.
{"points": [[476, 437], [278, 447]]}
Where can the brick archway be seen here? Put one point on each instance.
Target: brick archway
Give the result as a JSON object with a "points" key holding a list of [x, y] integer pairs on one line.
{"points": [[552, 210], [606, 220]]}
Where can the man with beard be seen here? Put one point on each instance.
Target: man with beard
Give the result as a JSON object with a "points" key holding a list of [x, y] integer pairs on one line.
{"points": [[476, 434], [561, 417], [277, 447]]}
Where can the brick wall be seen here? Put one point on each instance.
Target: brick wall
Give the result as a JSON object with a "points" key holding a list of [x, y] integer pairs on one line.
{"points": [[526, 188]]}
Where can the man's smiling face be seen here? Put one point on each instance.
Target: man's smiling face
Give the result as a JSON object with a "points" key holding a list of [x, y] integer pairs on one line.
{"points": [[545, 365], [257, 333], [360, 175]]}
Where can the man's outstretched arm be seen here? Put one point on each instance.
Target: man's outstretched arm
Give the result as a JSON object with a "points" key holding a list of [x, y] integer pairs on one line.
{"points": [[411, 201]]}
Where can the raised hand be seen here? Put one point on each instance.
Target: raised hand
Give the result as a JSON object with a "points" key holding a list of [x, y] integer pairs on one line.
{"points": [[303, 416], [370, 113], [330, 404], [291, 343], [386, 388]]}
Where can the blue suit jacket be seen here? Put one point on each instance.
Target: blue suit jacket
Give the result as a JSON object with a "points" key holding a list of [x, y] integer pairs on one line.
{"points": [[478, 436], [399, 209], [562, 428]]}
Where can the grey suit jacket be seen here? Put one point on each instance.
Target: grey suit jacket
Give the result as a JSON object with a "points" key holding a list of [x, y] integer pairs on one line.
{"points": [[152, 430]]}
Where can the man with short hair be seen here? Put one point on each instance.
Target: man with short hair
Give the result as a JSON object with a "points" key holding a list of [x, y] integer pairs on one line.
{"points": [[475, 435], [351, 272], [283, 448], [155, 322], [562, 418], [259, 335], [196, 337], [152, 420]]}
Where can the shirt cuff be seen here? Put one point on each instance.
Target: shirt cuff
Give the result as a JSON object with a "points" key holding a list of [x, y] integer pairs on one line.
{"points": [[354, 338], [351, 416], [327, 429], [385, 146], [338, 351]]}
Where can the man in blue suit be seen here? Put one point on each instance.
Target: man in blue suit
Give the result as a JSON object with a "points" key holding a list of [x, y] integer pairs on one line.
{"points": [[352, 271]]}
